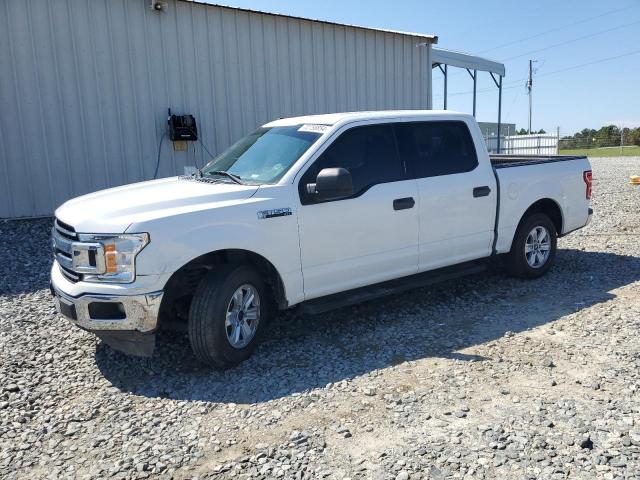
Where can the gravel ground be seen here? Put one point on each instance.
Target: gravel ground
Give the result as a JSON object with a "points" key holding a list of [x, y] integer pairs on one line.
{"points": [[487, 377]]}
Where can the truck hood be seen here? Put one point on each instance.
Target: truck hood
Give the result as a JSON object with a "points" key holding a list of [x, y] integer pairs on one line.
{"points": [[115, 209]]}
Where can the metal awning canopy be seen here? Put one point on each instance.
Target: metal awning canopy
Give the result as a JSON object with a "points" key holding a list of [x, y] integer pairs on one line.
{"points": [[440, 56], [441, 59]]}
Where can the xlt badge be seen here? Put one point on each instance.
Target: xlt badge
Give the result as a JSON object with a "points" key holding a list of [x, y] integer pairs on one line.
{"points": [[275, 212]]}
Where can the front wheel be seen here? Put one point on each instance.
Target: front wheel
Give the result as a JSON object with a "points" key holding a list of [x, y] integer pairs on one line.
{"points": [[227, 315], [533, 250]]}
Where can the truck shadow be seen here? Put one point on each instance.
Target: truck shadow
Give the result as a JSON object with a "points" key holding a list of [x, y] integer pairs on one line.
{"points": [[300, 354]]}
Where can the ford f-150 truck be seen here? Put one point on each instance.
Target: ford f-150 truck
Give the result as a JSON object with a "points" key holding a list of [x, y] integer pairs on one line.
{"points": [[314, 212]]}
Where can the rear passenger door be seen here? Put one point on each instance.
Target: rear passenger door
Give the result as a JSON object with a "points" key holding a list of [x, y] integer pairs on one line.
{"points": [[370, 236], [456, 194]]}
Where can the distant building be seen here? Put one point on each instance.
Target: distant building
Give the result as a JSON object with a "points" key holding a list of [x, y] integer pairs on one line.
{"points": [[490, 129]]}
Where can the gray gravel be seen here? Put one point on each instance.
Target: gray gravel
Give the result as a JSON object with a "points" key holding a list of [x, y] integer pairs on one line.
{"points": [[488, 377]]}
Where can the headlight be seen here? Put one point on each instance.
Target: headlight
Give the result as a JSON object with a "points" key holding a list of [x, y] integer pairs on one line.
{"points": [[108, 258]]}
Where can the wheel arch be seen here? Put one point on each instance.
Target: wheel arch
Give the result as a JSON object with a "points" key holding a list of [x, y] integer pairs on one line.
{"points": [[183, 282], [550, 208]]}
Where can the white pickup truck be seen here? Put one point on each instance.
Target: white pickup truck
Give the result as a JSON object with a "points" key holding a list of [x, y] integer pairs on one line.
{"points": [[315, 212]]}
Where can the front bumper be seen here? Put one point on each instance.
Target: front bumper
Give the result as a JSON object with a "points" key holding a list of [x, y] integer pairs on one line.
{"points": [[127, 322], [139, 312]]}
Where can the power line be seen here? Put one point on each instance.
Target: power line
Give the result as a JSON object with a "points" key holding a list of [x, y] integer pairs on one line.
{"points": [[564, 42], [606, 59], [572, 40], [572, 67], [562, 27], [515, 97], [507, 86]]}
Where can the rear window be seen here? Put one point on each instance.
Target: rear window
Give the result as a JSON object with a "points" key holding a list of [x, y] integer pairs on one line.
{"points": [[436, 148]]}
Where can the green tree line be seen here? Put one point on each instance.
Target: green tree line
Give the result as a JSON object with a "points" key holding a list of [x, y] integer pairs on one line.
{"points": [[609, 136], [522, 131]]}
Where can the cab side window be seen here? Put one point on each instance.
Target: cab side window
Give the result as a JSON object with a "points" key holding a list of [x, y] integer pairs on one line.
{"points": [[436, 148], [368, 153]]}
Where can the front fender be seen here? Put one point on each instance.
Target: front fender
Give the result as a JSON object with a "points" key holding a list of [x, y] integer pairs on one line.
{"points": [[177, 240]]}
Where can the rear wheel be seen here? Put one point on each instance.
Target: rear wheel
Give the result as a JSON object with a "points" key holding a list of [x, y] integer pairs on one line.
{"points": [[227, 315], [533, 250]]}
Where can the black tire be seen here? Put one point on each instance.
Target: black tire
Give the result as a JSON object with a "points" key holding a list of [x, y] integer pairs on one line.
{"points": [[208, 312], [516, 260]]}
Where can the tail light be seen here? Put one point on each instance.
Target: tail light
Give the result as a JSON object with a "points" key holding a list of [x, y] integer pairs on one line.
{"points": [[587, 176]]}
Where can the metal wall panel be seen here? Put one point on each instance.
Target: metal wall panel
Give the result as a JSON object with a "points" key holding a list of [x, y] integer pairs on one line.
{"points": [[85, 86]]}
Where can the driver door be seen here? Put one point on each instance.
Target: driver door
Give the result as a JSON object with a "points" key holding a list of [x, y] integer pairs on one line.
{"points": [[370, 236]]}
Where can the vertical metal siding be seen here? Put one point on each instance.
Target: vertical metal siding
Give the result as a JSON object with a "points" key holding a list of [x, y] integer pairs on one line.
{"points": [[85, 86]]}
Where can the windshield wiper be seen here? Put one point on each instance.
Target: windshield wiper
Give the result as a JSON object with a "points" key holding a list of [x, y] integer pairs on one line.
{"points": [[232, 176]]}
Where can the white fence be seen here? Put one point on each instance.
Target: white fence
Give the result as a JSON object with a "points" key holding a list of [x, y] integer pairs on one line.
{"points": [[524, 144]]}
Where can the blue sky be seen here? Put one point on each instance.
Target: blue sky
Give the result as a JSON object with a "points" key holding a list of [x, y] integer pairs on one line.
{"points": [[590, 96]]}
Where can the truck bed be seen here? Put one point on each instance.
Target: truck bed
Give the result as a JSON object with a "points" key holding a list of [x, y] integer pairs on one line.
{"points": [[505, 161]]}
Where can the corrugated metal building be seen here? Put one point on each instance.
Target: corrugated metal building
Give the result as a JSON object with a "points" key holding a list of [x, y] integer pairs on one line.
{"points": [[85, 86]]}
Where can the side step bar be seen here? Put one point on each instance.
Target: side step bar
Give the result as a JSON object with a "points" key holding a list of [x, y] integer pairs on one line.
{"points": [[370, 292]]}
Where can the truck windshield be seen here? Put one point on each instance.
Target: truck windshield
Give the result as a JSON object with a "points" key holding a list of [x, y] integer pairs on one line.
{"points": [[263, 156]]}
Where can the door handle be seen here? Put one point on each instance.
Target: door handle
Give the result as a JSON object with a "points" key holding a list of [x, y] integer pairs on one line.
{"points": [[403, 203], [481, 191]]}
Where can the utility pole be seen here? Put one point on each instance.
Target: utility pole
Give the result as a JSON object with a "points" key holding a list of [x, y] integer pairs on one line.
{"points": [[529, 88]]}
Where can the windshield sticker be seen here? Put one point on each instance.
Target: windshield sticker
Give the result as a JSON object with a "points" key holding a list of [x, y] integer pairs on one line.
{"points": [[314, 128]]}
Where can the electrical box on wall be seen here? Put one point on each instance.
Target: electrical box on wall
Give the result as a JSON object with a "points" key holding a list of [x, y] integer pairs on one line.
{"points": [[182, 128]]}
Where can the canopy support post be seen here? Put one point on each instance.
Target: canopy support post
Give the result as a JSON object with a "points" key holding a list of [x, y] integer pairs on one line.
{"points": [[445, 85], [499, 85], [444, 72], [499, 113], [474, 75]]}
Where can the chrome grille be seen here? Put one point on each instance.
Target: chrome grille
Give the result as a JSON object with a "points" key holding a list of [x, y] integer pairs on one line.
{"points": [[70, 274], [65, 230], [62, 238]]}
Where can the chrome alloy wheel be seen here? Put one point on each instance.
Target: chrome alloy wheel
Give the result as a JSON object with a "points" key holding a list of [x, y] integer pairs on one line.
{"points": [[537, 247], [243, 316]]}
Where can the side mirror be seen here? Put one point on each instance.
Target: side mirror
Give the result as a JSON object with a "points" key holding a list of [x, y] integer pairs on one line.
{"points": [[331, 184]]}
